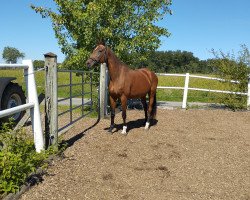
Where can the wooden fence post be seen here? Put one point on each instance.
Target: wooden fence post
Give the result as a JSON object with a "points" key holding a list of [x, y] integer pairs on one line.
{"points": [[106, 91], [51, 113], [102, 91]]}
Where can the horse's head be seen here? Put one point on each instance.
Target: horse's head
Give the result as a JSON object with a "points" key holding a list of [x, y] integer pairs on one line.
{"points": [[99, 55]]}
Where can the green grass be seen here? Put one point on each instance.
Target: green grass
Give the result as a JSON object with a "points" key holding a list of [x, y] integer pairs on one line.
{"points": [[162, 94]]}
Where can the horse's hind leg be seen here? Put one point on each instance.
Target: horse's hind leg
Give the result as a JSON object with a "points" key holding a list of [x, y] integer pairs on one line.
{"points": [[112, 105], [145, 107], [124, 115], [150, 108]]}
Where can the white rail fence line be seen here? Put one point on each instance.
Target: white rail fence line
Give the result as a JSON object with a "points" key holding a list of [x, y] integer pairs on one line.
{"points": [[186, 87], [32, 101]]}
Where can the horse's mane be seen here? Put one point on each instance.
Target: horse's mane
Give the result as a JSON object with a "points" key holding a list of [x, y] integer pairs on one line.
{"points": [[116, 58]]}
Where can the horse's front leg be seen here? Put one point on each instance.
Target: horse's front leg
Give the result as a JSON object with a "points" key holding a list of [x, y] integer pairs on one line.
{"points": [[112, 105], [124, 115]]}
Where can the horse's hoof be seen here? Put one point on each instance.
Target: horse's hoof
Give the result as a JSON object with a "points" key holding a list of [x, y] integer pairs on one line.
{"points": [[111, 129], [147, 126], [124, 130]]}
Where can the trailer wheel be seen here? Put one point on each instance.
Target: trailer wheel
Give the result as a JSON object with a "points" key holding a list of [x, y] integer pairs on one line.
{"points": [[13, 95]]}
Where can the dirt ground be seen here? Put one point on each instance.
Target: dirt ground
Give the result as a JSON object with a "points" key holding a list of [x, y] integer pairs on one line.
{"points": [[191, 154]]}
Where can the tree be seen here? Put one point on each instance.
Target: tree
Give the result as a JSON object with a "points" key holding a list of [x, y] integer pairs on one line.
{"points": [[11, 54], [38, 64], [126, 26]]}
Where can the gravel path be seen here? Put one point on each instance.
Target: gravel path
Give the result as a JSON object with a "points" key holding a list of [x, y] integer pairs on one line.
{"points": [[191, 154]]}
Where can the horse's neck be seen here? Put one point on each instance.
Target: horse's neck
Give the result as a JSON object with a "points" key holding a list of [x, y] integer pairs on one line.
{"points": [[114, 65]]}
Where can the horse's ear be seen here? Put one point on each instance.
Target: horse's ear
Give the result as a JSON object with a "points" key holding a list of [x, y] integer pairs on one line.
{"points": [[101, 42]]}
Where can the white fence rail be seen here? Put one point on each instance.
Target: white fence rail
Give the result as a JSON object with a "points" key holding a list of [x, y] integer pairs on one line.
{"points": [[32, 101], [186, 87]]}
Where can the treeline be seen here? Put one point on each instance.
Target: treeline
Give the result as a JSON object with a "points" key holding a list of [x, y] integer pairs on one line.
{"points": [[162, 62], [173, 62], [165, 62]]}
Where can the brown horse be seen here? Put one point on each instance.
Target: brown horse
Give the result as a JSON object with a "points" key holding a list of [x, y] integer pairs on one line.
{"points": [[126, 83]]}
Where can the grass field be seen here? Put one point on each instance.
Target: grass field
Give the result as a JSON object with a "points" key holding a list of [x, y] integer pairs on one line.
{"points": [[162, 94]]}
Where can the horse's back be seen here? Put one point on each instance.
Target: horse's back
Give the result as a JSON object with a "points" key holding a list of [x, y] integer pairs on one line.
{"points": [[151, 75], [141, 82]]}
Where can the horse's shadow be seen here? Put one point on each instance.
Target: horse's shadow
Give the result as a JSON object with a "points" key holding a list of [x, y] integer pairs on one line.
{"points": [[139, 123]]}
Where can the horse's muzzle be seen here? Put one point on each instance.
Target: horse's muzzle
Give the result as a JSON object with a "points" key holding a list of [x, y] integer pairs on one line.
{"points": [[89, 63]]}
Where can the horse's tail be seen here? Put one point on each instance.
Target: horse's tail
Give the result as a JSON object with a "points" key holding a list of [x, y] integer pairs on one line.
{"points": [[154, 107]]}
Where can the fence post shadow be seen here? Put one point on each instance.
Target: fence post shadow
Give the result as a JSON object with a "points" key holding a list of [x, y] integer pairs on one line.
{"points": [[70, 142]]}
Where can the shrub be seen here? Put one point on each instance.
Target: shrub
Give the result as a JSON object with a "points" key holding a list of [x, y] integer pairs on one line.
{"points": [[232, 67], [18, 159]]}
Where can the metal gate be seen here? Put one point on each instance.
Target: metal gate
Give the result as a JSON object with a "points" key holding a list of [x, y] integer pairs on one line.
{"points": [[77, 96]]}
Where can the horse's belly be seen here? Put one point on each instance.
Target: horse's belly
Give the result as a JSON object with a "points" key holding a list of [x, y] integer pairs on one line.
{"points": [[139, 90]]}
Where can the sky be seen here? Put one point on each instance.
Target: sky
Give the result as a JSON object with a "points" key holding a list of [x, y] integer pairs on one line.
{"points": [[196, 26]]}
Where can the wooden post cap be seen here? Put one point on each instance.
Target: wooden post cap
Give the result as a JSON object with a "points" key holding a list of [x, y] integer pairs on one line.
{"points": [[50, 55]]}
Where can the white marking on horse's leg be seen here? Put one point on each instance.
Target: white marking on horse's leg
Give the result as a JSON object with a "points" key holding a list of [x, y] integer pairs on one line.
{"points": [[124, 130], [147, 125]]}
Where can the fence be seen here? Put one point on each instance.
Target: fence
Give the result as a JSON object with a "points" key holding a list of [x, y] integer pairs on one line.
{"points": [[32, 101], [186, 87], [83, 90], [52, 130]]}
